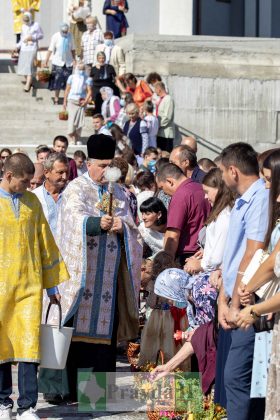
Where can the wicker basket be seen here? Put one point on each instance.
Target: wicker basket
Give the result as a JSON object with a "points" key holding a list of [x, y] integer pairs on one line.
{"points": [[43, 75], [15, 55], [89, 111], [132, 353], [63, 116]]}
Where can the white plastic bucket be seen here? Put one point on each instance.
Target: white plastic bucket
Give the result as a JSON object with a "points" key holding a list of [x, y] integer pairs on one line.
{"points": [[54, 344]]}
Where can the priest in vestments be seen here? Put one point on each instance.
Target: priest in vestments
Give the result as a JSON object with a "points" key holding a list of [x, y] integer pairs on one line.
{"points": [[103, 255]]}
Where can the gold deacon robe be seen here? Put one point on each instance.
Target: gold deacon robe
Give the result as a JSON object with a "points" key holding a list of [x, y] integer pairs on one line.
{"points": [[17, 5], [29, 262]]}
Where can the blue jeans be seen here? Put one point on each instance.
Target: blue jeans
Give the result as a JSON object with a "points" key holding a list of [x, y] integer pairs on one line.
{"points": [[27, 385], [238, 373]]}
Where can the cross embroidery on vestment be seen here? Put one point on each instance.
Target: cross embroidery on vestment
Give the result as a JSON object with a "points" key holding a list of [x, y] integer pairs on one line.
{"points": [[87, 294], [107, 296], [112, 246], [92, 244]]}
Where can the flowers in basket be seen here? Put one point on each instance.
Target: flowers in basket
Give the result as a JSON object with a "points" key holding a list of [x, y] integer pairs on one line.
{"points": [[43, 75], [177, 396]]}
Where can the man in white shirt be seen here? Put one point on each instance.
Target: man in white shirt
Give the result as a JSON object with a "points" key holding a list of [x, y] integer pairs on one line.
{"points": [[99, 125], [114, 54], [56, 170]]}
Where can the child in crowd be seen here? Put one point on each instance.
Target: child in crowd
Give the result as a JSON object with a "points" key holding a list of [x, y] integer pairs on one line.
{"points": [[152, 122], [150, 159], [163, 318], [80, 160]]}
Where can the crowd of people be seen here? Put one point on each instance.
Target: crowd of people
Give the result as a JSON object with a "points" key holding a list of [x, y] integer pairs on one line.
{"points": [[91, 70], [191, 247], [174, 249]]}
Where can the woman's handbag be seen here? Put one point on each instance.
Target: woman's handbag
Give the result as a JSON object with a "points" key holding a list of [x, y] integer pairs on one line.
{"points": [[54, 343], [267, 290], [263, 323]]}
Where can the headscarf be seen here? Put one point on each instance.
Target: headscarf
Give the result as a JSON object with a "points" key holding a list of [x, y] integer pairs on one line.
{"points": [[173, 284], [29, 16], [109, 92], [65, 41], [64, 27]]}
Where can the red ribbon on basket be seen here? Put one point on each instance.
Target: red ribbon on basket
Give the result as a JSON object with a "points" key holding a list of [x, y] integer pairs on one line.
{"points": [[177, 315]]}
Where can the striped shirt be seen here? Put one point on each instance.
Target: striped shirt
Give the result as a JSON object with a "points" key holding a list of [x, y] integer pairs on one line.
{"points": [[89, 42]]}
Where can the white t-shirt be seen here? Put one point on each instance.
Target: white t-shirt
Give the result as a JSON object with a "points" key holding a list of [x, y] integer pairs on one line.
{"points": [[216, 234], [153, 126]]}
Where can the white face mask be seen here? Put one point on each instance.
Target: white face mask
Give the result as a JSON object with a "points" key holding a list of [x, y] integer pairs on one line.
{"points": [[108, 42]]}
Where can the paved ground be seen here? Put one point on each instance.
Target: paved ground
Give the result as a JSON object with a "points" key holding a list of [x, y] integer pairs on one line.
{"points": [[64, 412]]}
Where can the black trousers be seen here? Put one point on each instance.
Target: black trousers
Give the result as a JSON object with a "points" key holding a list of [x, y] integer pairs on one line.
{"points": [[165, 144], [95, 357]]}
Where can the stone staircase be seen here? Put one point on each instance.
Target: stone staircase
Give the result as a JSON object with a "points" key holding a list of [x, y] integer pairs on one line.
{"points": [[30, 119]]}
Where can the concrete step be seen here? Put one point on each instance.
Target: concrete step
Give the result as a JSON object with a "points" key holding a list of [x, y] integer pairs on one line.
{"points": [[34, 134], [41, 125], [29, 119], [16, 113]]}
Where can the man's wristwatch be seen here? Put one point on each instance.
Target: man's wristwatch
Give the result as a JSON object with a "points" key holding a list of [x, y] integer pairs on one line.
{"points": [[254, 314]]}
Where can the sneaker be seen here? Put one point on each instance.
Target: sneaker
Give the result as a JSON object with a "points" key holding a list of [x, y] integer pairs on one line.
{"points": [[6, 412], [29, 414], [54, 399]]}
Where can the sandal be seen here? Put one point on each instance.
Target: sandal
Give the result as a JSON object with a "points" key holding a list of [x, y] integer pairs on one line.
{"points": [[27, 90]]}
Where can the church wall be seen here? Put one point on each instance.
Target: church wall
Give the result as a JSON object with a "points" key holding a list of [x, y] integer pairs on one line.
{"points": [[225, 89]]}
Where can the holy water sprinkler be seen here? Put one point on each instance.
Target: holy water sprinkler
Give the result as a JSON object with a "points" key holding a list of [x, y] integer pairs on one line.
{"points": [[112, 175]]}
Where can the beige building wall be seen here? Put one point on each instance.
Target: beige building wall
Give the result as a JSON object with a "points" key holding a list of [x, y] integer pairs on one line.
{"points": [[176, 17], [144, 17], [50, 16]]}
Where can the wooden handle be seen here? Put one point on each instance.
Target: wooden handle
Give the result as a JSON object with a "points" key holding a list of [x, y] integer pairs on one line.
{"points": [[110, 204]]}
